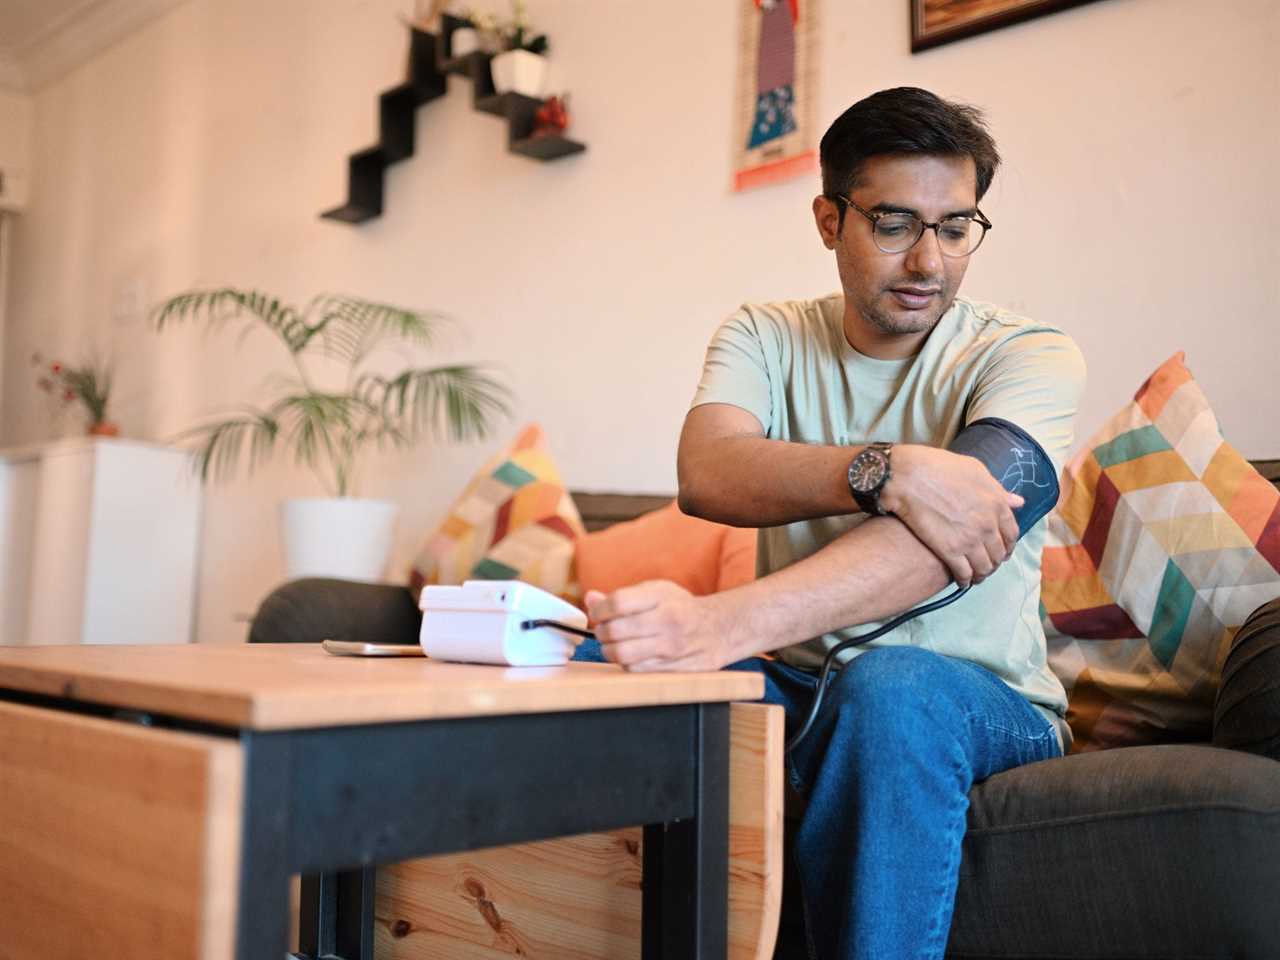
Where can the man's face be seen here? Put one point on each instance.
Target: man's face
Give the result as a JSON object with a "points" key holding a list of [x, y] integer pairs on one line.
{"points": [[893, 300]]}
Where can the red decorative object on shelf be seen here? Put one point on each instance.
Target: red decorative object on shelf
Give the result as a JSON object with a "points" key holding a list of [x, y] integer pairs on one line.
{"points": [[552, 118]]}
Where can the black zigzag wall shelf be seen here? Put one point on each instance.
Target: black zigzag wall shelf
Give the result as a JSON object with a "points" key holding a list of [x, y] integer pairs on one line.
{"points": [[429, 67]]}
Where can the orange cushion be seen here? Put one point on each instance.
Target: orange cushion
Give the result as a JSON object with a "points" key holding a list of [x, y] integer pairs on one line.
{"points": [[665, 544]]}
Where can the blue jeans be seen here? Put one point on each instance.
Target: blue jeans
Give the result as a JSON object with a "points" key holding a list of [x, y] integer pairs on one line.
{"points": [[902, 735]]}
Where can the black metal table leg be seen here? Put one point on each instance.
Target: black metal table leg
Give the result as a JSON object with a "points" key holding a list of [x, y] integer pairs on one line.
{"points": [[262, 931], [686, 863], [317, 915], [335, 919], [356, 890]]}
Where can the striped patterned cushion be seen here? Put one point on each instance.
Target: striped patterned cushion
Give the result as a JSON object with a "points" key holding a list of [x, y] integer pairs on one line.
{"points": [[1164, 541], [514, 521]]}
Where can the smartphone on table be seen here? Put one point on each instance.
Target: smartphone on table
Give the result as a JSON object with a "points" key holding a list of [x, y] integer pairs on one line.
{"points": [[360, 648]]}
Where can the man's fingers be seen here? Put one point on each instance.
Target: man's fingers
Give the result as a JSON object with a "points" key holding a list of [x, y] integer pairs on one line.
{"points": [[1009, 531], [656, 664], [591, 600], [982, 563], [626, 602], [961, 570], [628, 628], [996, 552], [628, 653]]}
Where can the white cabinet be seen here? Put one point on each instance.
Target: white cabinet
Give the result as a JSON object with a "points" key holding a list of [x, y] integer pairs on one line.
{"points": [[99, 543]]}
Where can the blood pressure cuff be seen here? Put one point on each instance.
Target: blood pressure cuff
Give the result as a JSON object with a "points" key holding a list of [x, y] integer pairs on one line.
{"points": [[1017, 461]]}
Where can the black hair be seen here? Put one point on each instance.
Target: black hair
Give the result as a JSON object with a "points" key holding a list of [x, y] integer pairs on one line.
{"points": [[904, 120]]}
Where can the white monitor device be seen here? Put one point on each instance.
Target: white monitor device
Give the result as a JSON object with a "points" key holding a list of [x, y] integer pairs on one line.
{"points": [[481, 622]]}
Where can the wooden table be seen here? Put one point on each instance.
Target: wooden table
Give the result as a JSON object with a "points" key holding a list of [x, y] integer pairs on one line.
{"points": [[155, 800]]}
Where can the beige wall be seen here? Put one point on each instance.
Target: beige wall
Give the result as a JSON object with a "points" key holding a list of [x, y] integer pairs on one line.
{"points": [[201, 149], [15, 129]]}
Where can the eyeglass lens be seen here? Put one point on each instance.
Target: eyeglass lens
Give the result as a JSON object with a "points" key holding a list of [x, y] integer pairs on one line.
{"points": [[957, 237]]}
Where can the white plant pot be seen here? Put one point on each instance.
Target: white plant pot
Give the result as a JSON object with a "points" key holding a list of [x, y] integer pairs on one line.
{"points": [[464, 40], [519, 71], [343, 537]]}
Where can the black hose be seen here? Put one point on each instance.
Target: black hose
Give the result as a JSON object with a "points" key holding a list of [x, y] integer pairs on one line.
{"points": [[824, 674], [556, 625]]}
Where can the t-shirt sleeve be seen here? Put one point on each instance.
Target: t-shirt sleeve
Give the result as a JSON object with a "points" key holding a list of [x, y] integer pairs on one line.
{"points": [[1035, 380], [736, 371]]}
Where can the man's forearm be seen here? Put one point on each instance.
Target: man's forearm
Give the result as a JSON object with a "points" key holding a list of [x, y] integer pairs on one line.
{"points": [[874, 571], [754, 482]]}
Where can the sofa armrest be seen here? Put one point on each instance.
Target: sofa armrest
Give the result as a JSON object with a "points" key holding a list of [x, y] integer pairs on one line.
{"points": [[1246, 713], [315, 609]]}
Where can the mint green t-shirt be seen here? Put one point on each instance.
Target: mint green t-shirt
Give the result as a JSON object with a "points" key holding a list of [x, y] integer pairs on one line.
{"points": [[790, 365]]}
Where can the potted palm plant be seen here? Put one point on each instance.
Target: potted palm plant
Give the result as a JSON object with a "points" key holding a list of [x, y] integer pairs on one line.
{"points": [[328, 428]]}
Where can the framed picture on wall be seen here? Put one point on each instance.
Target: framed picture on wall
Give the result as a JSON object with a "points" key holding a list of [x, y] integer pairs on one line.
{"points": [[775, 132], [935, 22]]}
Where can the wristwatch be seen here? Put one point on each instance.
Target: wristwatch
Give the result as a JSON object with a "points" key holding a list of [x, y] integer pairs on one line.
{"points": [[868, 473]]}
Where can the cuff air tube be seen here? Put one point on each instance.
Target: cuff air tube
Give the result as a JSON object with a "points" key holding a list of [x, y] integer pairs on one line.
{"points": [[1022, 467], [1017, 461]]}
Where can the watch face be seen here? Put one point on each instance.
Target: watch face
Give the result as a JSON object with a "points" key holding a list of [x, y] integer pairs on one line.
{"points": [[867, 471]]}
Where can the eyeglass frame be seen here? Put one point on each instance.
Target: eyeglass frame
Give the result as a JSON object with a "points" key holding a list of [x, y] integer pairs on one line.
{"points": [[980, 218]]}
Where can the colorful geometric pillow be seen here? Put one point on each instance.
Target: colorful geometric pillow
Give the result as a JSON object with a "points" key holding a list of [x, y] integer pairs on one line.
{"points": [[666, 544], [514, 521], [1164, 541]]}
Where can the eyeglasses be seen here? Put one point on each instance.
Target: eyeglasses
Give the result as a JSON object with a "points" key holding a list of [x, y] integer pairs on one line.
{"points": [[899, 232]]}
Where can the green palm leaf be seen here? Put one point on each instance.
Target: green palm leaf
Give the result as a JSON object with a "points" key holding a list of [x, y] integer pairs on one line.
{"points": [[459, 401], [351, 328], [225, 440], [314, 423], [227, 304]]}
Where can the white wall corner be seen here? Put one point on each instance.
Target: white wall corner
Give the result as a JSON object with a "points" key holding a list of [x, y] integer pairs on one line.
{"points": [[76, 39]]}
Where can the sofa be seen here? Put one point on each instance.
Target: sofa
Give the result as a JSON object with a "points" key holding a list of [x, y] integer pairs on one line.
{"points": [[1167, 850]]}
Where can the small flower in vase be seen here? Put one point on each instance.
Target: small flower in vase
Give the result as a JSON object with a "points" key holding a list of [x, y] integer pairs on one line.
{"points": [[90, 384]]}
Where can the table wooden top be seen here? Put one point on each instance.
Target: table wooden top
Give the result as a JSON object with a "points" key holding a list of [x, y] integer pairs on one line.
{"points": [[283, 685]]}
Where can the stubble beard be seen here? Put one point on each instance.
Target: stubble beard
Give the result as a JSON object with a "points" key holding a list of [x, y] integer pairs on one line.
{"points": [[886, 323], [906, 322]]}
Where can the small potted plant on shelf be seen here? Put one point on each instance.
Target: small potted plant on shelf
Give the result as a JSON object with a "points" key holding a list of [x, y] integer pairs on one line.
{"points": [[478, 33], [328, 427], [519, 66], [88, 383], [429, 17]]}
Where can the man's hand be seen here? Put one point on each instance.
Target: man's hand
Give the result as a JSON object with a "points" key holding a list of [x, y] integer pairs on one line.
{"points": [[659, 625], [955, 508]]}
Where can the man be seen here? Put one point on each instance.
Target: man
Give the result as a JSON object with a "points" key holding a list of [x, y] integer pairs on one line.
{"points": [[780, 436]]}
